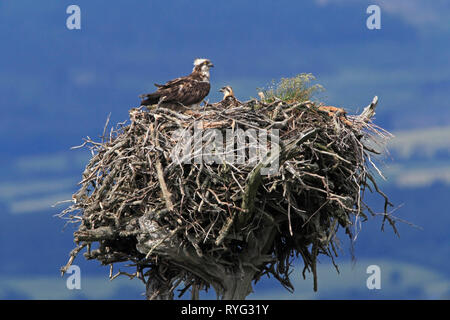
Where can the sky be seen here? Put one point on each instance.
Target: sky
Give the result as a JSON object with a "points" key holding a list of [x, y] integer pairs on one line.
{"points": [[58, 86]]}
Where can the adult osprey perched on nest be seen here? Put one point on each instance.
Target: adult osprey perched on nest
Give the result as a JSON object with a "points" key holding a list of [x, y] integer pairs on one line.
{"points": [[188, 90]]}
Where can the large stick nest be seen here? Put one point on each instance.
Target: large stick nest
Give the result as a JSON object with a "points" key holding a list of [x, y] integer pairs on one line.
{"points": [[191, 222]]}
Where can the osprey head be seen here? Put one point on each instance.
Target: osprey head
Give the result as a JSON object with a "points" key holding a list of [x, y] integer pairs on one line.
{"points": [[202, 66], [227, 91]]}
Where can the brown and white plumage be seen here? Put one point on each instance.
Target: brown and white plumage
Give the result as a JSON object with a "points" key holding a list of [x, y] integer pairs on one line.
{"points": [[229, 100], [188, 90]]}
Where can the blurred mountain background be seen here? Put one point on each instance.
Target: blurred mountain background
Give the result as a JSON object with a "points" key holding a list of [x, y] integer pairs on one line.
{"points": [[58, 86]]}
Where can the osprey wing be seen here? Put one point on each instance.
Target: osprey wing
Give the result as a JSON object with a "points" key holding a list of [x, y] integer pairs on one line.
{"points": [[187, 92], [173, 82], [165, 91]]}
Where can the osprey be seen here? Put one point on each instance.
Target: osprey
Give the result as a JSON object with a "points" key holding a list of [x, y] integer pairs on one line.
{"points": [[229, 100], [188, 90]]}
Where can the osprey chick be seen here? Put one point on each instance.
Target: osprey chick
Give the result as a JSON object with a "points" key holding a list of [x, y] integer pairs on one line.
{"points": [[188, 90], [229, 100]]}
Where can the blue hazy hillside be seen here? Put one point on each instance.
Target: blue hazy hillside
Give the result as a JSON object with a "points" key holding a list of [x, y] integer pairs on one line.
{"points": [[58, 86]]}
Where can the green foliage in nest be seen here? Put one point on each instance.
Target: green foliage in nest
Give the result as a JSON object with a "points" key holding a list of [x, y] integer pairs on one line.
{"points": [[297, 89]]}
